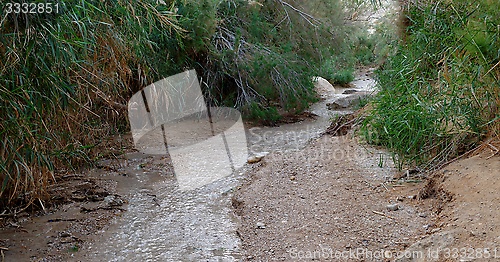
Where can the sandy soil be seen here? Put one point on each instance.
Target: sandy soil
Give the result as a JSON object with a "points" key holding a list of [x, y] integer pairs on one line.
{"points": [[327, 201], [475, 186], [469, 223]]}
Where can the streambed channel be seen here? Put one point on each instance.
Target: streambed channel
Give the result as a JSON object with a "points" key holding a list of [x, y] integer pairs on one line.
{"points": [[166, 223]]}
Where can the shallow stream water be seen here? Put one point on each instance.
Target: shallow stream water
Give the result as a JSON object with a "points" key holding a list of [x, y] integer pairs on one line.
{"points": [[165, 223]]}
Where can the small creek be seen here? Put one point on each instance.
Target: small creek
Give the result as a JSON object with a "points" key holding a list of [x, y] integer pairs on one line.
{"points": [[164, 223]]}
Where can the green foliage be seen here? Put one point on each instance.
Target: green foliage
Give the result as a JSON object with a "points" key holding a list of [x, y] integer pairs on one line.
{"points": [[73, 248], [264, 52], [343, 77], [267, 115], [338, 70], [363, 49], [440, 92]]}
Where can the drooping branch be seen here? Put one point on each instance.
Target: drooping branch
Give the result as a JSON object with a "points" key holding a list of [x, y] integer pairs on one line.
{"points": [[309, 18]]}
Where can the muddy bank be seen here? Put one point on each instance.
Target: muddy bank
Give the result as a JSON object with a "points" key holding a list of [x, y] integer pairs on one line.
{"points": [[81, 205]]}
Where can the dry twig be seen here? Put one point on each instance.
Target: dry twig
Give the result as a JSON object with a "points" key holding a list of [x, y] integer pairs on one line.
{"points": [[494, 149], [382, 214], [303, 14]]}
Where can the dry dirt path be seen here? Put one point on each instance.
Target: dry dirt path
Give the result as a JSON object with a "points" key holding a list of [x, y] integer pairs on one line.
{"points": [[329, 201]]}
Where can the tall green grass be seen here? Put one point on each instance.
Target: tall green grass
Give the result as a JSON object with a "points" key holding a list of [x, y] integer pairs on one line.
{"points": [[61, 77], [440, 92]]}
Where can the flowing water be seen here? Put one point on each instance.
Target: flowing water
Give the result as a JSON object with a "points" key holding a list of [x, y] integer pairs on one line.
{"points": [[165, 223]]}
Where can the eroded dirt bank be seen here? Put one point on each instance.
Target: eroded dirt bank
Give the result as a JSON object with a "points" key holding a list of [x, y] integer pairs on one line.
{"points": [[468, 221]]}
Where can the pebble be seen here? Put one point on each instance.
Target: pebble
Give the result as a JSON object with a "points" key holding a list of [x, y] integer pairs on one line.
{"points": [[292, 178], [392, 207], [424, 215], [64, 234], [257, 158], [254, 159], [113, 201], [435, 230], [261, 225]]}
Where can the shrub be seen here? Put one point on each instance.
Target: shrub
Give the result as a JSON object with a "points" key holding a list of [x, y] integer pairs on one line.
{"points": [[337, 71]]}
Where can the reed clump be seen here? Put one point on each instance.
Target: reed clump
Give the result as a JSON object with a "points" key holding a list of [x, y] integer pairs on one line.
{"points": [[440, 93]]}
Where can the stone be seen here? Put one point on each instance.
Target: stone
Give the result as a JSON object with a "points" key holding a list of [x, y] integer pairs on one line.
{"points": [[254, 159], [257, 157], [64, 234], [424, 215], [348, 101], [349, 91], [112, 200], [392, 207], [434, 230], [322, 86]]}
